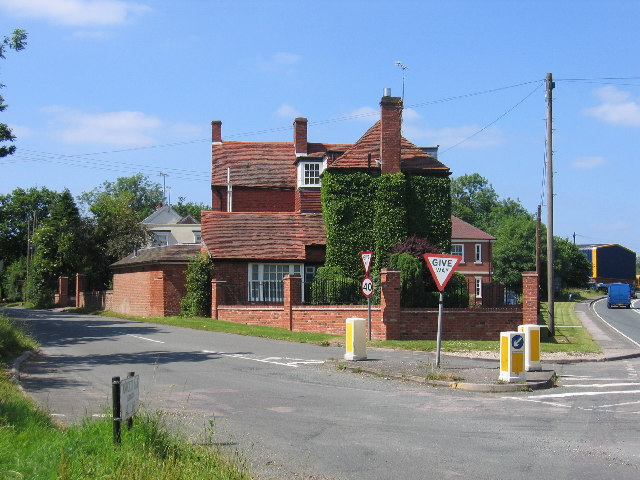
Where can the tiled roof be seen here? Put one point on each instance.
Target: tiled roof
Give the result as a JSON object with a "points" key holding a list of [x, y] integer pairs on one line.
{"points": [[461, 230], [254, 164], [411, 156], [261, 164], [261, 236], [166, 254]]}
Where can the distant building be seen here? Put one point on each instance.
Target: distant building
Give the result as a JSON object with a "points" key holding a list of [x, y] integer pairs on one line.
{"points": [[610, 262], [171, 228]]}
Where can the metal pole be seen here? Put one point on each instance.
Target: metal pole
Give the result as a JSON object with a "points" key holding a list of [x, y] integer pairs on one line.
{"points": [[369, 315], [550, 279], [439, 339], [115, 394]]}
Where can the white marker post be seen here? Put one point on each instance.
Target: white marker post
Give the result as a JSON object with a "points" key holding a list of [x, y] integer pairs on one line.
{"points": [[441, 267]]}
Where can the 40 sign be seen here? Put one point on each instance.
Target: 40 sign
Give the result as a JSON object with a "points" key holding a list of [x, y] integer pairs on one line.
{"points": [[441, 267], [367, 286]]}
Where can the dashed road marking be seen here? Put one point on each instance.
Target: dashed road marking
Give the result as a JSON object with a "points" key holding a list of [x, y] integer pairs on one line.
{"points": [[143, 338]]}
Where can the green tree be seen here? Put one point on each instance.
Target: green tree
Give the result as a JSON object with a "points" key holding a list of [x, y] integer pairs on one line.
{"points": [[472, 199], [17, 41], [142, 195], [514, 250], [190, 208], [19, 211], [570, 264], [59, 242]]}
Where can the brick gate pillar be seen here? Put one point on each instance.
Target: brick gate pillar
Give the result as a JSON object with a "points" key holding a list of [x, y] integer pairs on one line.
{"points": [[63, 291], [292, 296], [81, 286], [389, 303], [217, 296], [530, 298]]}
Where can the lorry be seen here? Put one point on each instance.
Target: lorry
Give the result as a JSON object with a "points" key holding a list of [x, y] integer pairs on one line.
{"points": [[619, 295]]}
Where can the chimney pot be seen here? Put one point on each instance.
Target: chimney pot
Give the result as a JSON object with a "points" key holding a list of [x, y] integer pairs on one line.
{"points": [[390, 133], [300, 136], [216, 131]]}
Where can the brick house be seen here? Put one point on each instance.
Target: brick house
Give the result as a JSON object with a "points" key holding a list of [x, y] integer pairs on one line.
{"points": [[266, 218], [476, 249]]}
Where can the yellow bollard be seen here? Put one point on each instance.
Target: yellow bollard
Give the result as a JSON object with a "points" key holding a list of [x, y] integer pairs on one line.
{"points": [[356, 339], [512, 357], [531, 347]]}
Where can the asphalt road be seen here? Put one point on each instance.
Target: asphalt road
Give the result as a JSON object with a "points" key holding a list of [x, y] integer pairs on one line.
{"points": [[624, 320], [291, 417]]}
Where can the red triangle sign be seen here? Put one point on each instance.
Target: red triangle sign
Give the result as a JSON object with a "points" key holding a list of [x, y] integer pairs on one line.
{"points": [[441, 267], [366, 261]]}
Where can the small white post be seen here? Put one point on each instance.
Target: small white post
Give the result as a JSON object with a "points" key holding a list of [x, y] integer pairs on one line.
{"points": [[512, 357], [356, 339], [531, 347]]}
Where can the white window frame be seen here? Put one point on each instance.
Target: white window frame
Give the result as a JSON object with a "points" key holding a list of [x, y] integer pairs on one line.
{"points": [[303, 179], [160, 238], [461, 245], [197, 236], [265, 280], [478, 253], [478, 287]]}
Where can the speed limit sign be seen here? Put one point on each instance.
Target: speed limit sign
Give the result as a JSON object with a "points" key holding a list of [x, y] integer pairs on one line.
{"points": [[367, 286]]}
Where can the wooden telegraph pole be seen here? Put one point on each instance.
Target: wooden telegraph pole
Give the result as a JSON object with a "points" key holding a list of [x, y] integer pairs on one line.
{"points": [[550, 280]]}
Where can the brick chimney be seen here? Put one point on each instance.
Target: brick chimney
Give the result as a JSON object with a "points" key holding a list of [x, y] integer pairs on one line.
{"points": [[390, 132], [216, 131], [300, 136]]}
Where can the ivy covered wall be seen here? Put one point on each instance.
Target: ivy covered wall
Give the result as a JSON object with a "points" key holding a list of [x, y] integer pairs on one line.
{"points": [[365, 212]]}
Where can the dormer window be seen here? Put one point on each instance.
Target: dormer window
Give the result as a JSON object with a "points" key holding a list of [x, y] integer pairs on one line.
{"points": [[309, 173]]}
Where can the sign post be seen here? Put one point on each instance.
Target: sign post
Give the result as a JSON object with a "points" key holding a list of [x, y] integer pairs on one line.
{"points": [[125, 395], [367, 285], [441, 267]]}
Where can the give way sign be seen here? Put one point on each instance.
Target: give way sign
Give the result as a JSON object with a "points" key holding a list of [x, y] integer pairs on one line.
{"points": [[442, 267]]}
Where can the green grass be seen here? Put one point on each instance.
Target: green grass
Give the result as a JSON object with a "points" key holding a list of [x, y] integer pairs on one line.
{"points": [[569, 337], [13, 340], [203, 323], [33, 447]]}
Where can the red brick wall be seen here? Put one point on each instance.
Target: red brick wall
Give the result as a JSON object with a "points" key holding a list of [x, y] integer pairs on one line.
{"points": [[308, 200], [254, 199], [149, 291]]}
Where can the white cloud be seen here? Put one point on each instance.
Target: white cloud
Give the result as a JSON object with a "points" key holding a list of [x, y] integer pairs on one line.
{"points": [[617, 107], [588, 162], [410, 115], [363, 113], [287, 111], [75, 12], [471, 136], [280, 62], [20, 131], [125, 128]]}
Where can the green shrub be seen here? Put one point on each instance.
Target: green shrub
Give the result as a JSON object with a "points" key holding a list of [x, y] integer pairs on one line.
{"points": [[332, 287], [197, 301], [412, 287], [12, 280]]}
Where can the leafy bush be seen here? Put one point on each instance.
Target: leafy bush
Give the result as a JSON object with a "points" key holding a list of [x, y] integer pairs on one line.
{"points": [[332, 287], [12, 279], [412, 287], [197, 301]]}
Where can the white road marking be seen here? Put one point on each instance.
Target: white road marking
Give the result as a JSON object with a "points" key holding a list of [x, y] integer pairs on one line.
{"points": [[579, 394], [605, 385], [144, 338], [273, 360], [614, 328]]}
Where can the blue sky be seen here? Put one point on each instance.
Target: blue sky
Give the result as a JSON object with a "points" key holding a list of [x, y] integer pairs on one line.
{"points": [[108, 88]]}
